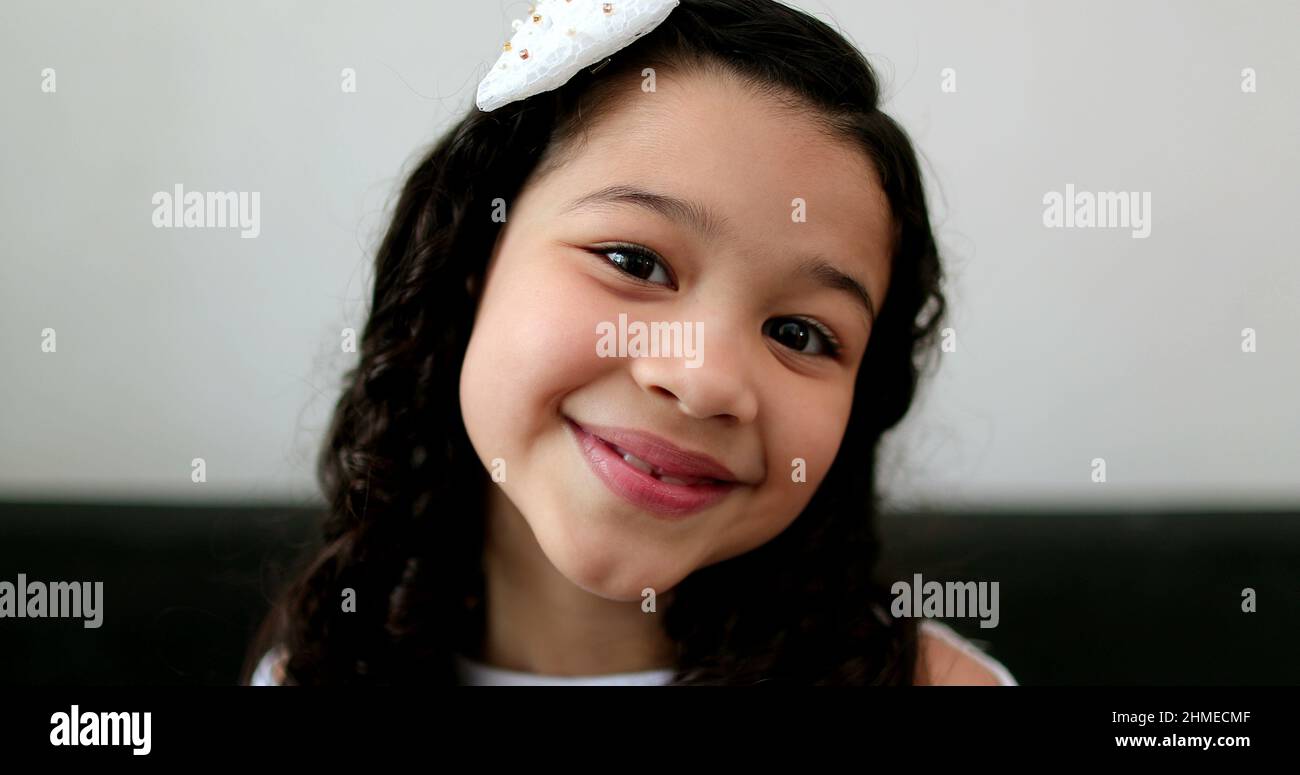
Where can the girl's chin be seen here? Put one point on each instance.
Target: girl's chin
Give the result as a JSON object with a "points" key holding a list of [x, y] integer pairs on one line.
{"points": [[609, 564]]}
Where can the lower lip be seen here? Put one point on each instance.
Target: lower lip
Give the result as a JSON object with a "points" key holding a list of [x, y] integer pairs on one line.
{"points": [[642, 490]]}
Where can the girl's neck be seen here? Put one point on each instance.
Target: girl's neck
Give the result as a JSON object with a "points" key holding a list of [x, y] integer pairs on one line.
{"points": [[538, 621]]}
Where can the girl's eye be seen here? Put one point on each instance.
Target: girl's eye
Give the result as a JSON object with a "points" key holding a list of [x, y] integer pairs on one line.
{"points": [[639, 262], [804, 336]]}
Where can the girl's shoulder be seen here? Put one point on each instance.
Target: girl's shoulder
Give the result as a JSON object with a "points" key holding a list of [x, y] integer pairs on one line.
{"points": [[947, 659], [270, 669]]}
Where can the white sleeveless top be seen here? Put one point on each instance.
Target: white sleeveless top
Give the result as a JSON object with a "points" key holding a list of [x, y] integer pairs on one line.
{"points": [[472, 673]]}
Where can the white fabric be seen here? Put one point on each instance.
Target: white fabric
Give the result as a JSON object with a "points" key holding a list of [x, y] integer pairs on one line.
{"points": [[264, 673], [567, 36], [473, 673]]}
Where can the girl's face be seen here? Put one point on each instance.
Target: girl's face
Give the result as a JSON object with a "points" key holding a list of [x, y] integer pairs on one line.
{"points": [[699, 204]]}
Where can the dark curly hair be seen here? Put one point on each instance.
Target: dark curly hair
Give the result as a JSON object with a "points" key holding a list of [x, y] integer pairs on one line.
{"points": [[406, 492]]}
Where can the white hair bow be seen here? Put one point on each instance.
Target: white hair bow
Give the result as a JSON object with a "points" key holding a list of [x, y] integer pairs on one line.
{"points": [[559, 38]]}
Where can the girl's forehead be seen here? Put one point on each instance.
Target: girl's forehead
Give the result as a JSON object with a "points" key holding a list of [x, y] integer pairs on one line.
{"points": [[713, 132]]}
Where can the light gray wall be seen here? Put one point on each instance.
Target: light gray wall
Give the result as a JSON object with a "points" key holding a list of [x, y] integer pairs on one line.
{"points": [[1071, 344]]}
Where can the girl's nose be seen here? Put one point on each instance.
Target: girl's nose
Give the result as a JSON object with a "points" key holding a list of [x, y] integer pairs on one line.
{"points": [[716, 382]]}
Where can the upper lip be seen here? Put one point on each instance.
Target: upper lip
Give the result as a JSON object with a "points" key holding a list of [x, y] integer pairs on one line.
{"points": [[661, 453]]}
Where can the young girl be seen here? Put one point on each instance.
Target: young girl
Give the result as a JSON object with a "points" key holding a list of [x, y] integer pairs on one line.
{"points": [[518, 494]]}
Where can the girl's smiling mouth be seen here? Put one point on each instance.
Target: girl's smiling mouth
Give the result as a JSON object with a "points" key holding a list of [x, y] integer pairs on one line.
{"points": [[650, 472]]}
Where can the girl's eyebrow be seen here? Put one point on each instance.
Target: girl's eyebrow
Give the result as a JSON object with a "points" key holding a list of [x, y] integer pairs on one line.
{"points": [[693, 214], [710, 224], [825, 274]]}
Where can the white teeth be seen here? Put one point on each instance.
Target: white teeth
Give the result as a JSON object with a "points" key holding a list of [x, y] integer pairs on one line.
{"points": [[654, 471], [638, 463]]}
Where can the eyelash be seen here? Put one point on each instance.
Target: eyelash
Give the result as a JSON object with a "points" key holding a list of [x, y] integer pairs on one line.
{"points": [[833, 346], [636, 250]]}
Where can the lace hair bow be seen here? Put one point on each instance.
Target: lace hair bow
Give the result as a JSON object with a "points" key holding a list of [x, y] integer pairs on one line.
{"points": [[560, 37]]}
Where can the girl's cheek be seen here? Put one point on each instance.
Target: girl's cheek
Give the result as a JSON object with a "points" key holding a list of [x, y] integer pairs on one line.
{"points": [[809, 433], [536, 328], [565, 308]]}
